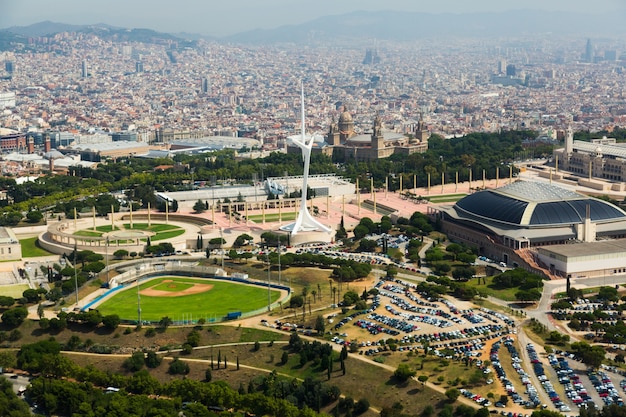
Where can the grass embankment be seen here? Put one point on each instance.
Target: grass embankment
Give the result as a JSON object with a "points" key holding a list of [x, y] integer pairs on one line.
{"points": [[362, 379], [31, 248]]}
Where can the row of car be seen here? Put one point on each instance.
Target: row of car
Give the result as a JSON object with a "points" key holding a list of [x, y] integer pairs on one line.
{"points": [[477, 398], [574, 389], [533, 398], [545, 383], [374, 328], [406, 306], [508, 321], [605, 388], [345, 320]]}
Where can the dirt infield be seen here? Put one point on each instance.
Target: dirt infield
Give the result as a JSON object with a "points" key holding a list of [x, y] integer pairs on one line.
{"points": [[194, 289]]}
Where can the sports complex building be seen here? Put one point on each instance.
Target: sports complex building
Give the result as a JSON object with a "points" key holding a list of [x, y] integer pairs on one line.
{"points": [[541, 227]]}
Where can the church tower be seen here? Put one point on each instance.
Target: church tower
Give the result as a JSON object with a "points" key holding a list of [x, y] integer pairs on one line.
{"points": [[333, 134], [378, 140], [421, 133], [569, 142], [346, 125]]}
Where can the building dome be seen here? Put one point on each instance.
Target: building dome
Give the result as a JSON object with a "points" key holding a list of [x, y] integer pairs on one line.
{"points": [[531, 204], [345, 117]]}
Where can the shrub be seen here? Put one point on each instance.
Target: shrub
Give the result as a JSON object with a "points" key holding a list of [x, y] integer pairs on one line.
{"points": [[178, 367]]}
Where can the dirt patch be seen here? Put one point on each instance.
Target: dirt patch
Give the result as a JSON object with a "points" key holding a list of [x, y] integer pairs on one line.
{"points": [[195, 289]]}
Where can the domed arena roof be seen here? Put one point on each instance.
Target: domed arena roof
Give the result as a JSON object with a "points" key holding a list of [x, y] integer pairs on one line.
{"points": [[533, 204]]}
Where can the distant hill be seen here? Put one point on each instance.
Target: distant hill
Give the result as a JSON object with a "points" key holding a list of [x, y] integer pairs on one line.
{"points": [[403, 26], [365, 26], [102, 30], [43, 29]]}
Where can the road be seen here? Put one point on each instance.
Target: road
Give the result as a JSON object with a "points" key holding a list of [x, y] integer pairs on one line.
{"points": [[19, 382]]}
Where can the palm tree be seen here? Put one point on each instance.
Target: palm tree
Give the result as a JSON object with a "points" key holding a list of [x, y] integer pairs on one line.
{"points": [[334, 294], [314, 294]]}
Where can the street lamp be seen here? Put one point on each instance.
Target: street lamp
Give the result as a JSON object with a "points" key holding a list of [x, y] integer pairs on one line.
{"points": [[76, 274], [269, 269], [138, 301], [279, 261], [222, 247], [106, 253]]}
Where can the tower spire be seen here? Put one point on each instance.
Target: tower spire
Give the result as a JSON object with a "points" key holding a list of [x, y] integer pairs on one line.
{"points": [[304, 222]]}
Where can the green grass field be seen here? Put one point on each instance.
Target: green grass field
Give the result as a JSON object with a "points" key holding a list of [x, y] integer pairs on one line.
{"points": [[13, 290], [273, 217], [448, 198], [223, 298], [162, 231], [31, 249], [506, 294], [86, 232], [168, 234]]}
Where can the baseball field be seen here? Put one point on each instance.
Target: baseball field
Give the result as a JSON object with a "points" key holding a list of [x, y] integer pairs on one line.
{"points": [[184, 299]]}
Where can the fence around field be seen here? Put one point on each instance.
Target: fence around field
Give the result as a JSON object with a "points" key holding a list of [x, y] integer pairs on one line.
{"points": [[148, 271]]}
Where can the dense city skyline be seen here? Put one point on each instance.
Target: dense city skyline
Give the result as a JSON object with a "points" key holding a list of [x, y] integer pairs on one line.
{"points": [[209, 18]]}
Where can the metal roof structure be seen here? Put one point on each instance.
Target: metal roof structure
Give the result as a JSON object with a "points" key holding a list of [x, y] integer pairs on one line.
{"points": [[533, 204]]}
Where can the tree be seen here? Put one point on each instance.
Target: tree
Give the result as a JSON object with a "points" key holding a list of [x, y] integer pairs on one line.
{"points": [[403, 372], [31, 295], [120, 254], [152, 359], [134, 363], [422, 379], [320, 325], [361, 406], [14, 316], [590, 355], [199, 206], [452, 394], [242, 240], [111, 321], [34, 216], [208, 376], [6, 301], [178, 367], [360, 232], [165, 322]]}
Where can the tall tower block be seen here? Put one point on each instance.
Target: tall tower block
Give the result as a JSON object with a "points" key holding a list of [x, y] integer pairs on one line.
{"points": [[569, 141]]}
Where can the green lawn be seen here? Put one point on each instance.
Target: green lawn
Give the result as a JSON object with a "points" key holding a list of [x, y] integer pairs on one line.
{"points": [[223, 298], [86, 232], [31, 248], [158, 227], [14, 290], [506, 294], [273, 217], [106, 228], [448, 198], [167, 234]]}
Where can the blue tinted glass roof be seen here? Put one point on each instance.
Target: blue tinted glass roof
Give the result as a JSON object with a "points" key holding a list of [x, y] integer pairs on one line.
{"points": [[494, 206], [574, 211], [555, 213]]}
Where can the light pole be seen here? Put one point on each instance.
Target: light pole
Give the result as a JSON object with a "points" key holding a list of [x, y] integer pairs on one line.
{"points": [[76, 275], [106, 255], [138, 301], [269, 269], [222, 247], [279, 261]]}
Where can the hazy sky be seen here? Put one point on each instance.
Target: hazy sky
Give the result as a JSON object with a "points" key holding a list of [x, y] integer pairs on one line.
{"points": [[225, 17]]}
